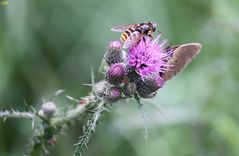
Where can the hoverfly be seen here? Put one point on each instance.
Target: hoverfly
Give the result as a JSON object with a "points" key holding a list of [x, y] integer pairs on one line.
{"points": [[132, 33]]}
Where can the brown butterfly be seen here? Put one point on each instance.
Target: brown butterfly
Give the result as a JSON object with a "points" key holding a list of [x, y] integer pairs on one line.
{"points": [[182, 56]]}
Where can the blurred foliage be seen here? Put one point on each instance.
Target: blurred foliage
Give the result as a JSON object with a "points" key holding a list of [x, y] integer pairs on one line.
{"points": [[50, 45]]}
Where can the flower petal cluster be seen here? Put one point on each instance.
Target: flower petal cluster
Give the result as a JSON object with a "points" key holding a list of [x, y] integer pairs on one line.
{"points": [[149, 57]]}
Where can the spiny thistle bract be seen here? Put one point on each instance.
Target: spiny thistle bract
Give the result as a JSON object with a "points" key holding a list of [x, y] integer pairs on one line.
{"points": [[148, 86], [129, 89], [131, 74]]}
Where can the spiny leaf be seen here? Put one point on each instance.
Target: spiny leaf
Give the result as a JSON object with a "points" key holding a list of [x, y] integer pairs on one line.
{"points": [[72, 99], [58, 92], [90, 127], [92, 79]]}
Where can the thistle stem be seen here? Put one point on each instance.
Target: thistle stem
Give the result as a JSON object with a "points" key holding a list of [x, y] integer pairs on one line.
{"points": [[16, 114], [90, 128], [76, 113]]}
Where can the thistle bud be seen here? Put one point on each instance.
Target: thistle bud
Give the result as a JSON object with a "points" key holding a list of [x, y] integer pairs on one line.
{"points": [[115, 73], [131, 74], [148, 86], [48, 108], [114, 53], [129, 89], [101, 87], [113, 94]]}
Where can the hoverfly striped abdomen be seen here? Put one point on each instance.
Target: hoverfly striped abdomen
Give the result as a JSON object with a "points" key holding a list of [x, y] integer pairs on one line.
{"points": [[127, 33], [124, 36]]}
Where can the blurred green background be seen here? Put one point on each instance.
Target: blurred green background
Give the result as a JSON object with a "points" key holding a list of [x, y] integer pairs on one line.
{"points": [[51, 45]]}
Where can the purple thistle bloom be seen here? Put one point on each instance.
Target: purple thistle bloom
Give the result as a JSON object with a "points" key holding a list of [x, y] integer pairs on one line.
{"points": [[115, 73], [115, 45], [114, 53], [149, 58], [113, 94]]}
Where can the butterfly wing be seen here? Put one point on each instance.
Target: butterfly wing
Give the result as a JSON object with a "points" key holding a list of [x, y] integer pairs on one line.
{"points": [[182, 55]]}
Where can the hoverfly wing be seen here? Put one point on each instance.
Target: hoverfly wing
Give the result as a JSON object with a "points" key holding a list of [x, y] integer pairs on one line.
{"points": [[132, 40], [122, 28], [182, 55]]}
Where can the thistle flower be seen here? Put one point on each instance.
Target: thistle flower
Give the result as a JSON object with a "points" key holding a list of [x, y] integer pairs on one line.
{"points": [[106, 91], [149, 57], [147, 87], [115, 73], [48, 108], [130, 89], [113, 94], [101, 87], [131, 74], [114, 53]]}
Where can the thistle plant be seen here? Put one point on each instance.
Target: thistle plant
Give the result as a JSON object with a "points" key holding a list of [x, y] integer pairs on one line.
{"points": [[136, 72]]}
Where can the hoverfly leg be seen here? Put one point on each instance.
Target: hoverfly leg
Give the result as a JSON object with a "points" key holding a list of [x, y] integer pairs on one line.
{"points": [[151, 36], [159, 32], [144, 39]]}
